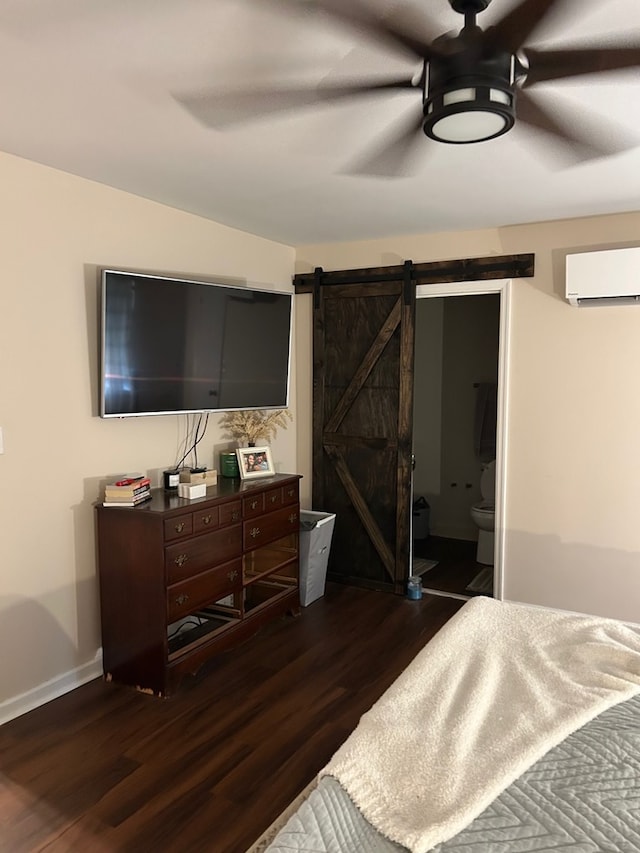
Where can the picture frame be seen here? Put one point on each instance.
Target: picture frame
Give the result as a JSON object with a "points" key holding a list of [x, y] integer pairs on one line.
{"points": [[255, 462]]}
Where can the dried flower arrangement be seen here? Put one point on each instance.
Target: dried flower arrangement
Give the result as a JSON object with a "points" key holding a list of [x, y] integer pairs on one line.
{"points": [[254, 425]]}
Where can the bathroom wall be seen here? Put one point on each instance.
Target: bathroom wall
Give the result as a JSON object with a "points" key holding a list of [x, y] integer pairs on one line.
{"points": [[465, 329], [427, 403]]}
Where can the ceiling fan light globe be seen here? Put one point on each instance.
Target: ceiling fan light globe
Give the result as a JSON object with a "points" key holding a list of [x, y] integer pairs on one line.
{"points": [[469, 114], [469, 126]]}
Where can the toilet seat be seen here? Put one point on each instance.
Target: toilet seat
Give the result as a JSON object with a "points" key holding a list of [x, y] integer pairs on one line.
{"points": [[486, 507]]}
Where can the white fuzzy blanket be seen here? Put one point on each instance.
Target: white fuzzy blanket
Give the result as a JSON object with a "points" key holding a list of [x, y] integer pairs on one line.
{"points": [[496, 688]]}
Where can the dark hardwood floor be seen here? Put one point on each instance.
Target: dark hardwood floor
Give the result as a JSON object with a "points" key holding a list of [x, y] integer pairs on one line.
{"points": [[456, 567], [105, 769]]}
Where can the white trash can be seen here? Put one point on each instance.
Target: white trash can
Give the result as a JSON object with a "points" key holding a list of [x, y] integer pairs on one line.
{"points": [[316, 530]]}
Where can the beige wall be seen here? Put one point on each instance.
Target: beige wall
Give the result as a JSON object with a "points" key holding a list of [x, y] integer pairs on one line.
{"points": [[56, 230], [573, 465]]}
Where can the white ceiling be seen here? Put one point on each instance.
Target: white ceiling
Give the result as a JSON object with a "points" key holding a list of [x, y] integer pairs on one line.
{"points": [[87, 86]]}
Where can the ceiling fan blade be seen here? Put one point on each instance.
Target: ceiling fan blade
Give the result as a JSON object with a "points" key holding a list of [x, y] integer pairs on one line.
{"points": [[401, 27], [224, 109], [572, 62], [578, 139], [393, 156], [516, 27]]}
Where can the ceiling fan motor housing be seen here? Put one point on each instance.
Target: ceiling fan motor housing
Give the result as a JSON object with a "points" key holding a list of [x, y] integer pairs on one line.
{"points": [[469, 101], [464, 7]]}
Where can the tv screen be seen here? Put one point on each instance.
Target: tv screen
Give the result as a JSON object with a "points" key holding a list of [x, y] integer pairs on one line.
{"points": [[174, 346]]}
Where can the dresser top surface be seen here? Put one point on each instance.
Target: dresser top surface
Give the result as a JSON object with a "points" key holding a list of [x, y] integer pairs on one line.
{"points": [[163, 501]]}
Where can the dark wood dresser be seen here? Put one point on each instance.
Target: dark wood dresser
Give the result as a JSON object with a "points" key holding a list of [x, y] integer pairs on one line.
{"points": [[181, 580]]}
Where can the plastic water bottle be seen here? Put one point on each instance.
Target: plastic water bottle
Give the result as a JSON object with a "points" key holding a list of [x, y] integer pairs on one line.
{"points": [[414, 587]]}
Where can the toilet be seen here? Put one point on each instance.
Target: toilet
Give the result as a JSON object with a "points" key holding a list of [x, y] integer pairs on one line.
{"points": [[483, 514]]}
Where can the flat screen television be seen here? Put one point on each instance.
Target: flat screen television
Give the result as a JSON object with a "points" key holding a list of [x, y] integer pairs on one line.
{"points": [[174, 346]]}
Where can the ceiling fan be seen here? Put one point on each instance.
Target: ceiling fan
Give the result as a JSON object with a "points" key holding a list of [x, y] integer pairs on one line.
{"points": [[473, 85]]}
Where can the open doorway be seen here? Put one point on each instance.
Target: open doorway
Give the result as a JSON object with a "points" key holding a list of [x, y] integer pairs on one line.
{"points": [[459, 437]]}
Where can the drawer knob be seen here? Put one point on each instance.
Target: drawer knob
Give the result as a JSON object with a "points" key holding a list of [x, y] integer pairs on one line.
{"points": [[273, 499], [179, 527], [181, 559], [182, 599], [293, 517], [233, 574], [206, 519], [255, 531], [290, 493], [254, 504], [235, 516]]}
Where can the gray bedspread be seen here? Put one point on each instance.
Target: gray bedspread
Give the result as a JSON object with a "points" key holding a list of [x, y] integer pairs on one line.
{"points": [[583, 796]]}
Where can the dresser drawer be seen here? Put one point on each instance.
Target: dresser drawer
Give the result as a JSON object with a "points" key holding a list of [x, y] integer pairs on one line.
{"points": [[270, 526], [208, 586], [290, 494], [178, 526], [253, 505], [230, 513], [185, 559], [272, 499], [206, 519]]}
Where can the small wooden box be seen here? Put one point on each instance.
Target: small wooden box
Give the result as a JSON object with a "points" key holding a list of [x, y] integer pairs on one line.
{"points": [[208, 477]]}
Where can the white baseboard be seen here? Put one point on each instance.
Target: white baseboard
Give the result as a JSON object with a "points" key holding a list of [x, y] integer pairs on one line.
{"points": [[18, 705]]}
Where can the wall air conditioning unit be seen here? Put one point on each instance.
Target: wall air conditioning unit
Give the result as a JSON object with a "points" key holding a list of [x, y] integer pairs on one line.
{"points": [[610, 277]]}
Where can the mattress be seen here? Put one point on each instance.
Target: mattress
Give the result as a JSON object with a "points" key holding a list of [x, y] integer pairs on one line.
{"points": [[583, 796]]}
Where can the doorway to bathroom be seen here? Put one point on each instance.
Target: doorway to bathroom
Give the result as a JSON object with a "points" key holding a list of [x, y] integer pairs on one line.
{"points": [[459, 432]]}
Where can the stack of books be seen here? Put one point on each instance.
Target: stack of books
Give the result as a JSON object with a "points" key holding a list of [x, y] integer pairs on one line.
{"points": [[129, 490]]}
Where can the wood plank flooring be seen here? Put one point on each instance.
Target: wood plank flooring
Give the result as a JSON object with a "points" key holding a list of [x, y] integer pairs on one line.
{"points": [[106, 769]]}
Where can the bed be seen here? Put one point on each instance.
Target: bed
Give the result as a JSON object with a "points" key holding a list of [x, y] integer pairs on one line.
{"points": [[520, 732]]}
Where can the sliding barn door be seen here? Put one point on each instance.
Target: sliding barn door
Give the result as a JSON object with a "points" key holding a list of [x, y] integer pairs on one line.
{"points": [[363, 344], [363, 411]]}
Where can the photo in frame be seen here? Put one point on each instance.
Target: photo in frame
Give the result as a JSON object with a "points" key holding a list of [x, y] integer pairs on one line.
{"points": [[255, 462]]}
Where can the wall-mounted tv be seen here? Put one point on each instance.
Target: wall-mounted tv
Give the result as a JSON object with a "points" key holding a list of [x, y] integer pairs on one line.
{"points": [[172, 346]]}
